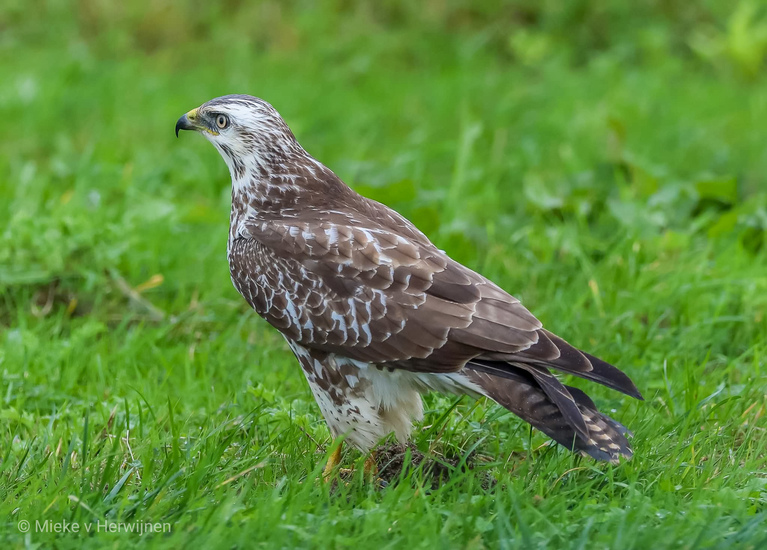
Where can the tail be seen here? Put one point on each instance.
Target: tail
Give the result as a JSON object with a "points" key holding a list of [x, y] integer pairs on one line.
{"points": [[565, 414]]}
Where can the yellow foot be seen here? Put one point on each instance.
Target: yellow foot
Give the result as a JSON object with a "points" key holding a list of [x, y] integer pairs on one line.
{"points": [[371, 471], [333, 460], [371, 467]]}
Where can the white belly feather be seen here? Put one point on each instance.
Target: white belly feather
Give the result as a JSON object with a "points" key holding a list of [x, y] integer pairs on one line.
{"points": [[370, 402]]}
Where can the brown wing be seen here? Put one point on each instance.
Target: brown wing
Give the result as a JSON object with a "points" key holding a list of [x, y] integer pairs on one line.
{"points": [[372, 295]]}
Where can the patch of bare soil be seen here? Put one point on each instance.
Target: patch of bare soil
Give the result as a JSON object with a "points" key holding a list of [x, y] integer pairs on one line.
{"points": [[392, 459]]}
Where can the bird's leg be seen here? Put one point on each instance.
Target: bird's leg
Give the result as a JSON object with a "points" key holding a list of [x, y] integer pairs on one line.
{"points": [[371, 467], [333, 460]]}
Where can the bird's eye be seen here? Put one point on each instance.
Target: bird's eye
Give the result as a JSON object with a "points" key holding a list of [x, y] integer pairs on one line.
{"points": [[222, 121]]}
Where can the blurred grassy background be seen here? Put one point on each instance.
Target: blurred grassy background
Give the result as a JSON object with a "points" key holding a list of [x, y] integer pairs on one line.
{"points": [[603, 161]]}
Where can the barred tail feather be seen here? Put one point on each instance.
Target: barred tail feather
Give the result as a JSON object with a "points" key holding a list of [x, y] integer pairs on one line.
{"points": [[520, 392]]}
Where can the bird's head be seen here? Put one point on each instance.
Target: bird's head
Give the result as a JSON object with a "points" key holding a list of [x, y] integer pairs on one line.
{"points": [[248, 132]]}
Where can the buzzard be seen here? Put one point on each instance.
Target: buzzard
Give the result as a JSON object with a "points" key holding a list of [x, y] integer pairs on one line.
{"points": [[374, 312]]}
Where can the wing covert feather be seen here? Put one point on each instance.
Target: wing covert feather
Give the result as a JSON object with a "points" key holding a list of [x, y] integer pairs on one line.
{"points": [[370, 294]]}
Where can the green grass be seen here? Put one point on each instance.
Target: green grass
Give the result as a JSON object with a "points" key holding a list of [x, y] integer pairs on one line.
{"points": [[603, 163]]}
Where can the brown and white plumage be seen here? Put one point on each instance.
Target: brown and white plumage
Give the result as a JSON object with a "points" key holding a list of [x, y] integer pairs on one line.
{"points": [[374, 312]]}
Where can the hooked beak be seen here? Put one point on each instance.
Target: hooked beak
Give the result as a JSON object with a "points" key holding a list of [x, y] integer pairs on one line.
{"points": [[189, 121]]}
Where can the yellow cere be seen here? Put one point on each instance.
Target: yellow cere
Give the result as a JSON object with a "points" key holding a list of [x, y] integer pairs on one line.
{"points": [[192, 116]]}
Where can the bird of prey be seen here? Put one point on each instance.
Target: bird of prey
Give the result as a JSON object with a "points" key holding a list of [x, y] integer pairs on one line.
{"points": [[374, 312]]}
